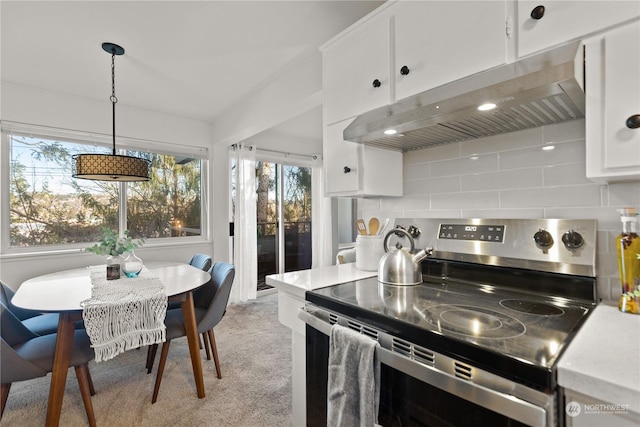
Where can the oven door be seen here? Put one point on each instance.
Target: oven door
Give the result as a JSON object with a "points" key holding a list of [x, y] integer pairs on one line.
{"points": [[416, 389]]}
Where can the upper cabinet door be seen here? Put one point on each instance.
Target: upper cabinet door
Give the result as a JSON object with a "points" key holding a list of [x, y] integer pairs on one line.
{"points": [[547, 23], [356, 70], [613, 105], [442, 41]]}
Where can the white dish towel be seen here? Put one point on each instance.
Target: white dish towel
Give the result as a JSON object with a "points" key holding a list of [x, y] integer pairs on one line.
{"points": [[353, 386]]}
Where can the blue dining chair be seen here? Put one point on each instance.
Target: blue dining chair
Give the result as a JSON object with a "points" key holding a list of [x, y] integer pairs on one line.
{"points": [[210, 306], [26, 356], [39, 324], [201, 261]]}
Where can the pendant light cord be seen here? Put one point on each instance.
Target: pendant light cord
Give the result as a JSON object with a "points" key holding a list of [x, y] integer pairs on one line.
{"points": [[113, 97]]}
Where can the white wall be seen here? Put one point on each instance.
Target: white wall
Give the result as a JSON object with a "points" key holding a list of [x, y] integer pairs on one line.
{"points": [[33, 106], [45, 108], [510, 176], [291, 94]]}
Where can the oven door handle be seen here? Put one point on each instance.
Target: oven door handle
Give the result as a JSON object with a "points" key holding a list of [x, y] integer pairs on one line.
{"points": [[502, 403], [308, 317]]}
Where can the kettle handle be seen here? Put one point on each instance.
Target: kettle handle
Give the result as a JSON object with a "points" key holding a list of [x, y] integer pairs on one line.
{"points": [[394, 231]]}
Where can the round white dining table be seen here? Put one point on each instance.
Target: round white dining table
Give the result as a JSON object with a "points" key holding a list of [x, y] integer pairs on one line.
{"points": [[63, 292]]}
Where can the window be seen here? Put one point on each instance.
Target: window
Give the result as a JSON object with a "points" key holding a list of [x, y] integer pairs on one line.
{"points": [[49, 207]]}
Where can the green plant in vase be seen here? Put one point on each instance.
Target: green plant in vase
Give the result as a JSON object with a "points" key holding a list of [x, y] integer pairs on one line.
{"points": [[112, 245]]}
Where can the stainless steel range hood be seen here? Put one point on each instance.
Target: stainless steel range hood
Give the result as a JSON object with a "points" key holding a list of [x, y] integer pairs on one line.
{"points": [[540, 90]]}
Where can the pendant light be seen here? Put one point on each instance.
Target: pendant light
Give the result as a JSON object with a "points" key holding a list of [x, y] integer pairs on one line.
{"points": [[111, 167]]}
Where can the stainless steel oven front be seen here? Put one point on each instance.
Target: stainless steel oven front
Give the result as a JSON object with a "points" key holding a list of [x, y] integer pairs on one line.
{"points": [[423, 387]]}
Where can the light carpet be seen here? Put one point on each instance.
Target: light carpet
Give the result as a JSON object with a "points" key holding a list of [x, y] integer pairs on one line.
{"points": [[255, 389]]}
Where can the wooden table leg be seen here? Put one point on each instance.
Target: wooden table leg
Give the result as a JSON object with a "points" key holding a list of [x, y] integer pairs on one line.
{"points": [[189, 316], [64, 344]]}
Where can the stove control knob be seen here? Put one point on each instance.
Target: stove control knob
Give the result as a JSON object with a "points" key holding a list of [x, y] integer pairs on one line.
{"points": [[572, 240], [543, 239]]}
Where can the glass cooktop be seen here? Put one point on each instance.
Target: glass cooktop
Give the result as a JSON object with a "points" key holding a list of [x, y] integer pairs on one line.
{"points": [[485, 324]]}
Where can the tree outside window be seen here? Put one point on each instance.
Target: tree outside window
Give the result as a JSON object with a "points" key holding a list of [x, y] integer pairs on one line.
{"points": [[49, 207]]}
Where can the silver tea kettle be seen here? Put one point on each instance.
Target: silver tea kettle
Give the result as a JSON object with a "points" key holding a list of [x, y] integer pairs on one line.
{"points": [[401, 266]]}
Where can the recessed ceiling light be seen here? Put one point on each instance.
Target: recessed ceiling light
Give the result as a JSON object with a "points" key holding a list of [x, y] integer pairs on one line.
{"points": [[390, 132], [486, 107], [548, 147]]}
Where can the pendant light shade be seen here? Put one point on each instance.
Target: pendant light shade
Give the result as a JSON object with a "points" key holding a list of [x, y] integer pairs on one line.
{"points": [[111, 167]]}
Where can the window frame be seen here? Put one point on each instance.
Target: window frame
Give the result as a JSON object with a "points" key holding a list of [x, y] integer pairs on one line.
{"points": [[123, 144]]}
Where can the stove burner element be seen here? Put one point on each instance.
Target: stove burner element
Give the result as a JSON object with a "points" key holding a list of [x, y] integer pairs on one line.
{"points": [[531, 307], [473, 321]]}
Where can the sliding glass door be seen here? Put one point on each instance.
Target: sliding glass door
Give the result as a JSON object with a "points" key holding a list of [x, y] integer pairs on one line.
{"points": [[283, 212]]}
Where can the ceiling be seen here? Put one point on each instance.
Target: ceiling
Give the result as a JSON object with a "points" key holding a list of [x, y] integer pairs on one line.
{"points": [[193, 59]]}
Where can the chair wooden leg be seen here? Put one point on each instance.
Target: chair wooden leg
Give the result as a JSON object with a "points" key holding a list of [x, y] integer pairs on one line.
{"points": [[92, 389], [3, 397], [151, 356], [207, 345], [214, 350], [83, 382], [163, 360]]}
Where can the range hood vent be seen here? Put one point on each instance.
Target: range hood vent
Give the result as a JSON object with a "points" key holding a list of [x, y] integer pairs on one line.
{"points": [[540, 90]]}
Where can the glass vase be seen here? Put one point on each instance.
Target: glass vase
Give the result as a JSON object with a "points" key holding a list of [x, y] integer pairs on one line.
{"points": [[628, 248], [113, 267], [131, 265]]}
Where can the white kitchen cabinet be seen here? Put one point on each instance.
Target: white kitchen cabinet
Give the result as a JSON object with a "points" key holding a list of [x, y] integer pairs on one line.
{"points": [[356, 170], [438, 41], [612, 98], [563, 21], [351, 64], [442, 41]]}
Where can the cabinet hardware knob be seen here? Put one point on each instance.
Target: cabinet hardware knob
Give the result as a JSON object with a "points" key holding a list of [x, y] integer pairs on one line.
{"points": [[376, 83], [537, 12], [633, 122], [347, 169], [404, 70]]}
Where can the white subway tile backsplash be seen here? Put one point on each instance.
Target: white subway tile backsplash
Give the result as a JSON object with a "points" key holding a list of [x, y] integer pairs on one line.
{"points": [[566, 174], [566, 152], [514, 178], [624, 194], [567, 131], [531, 177], [503, 213], [433, 185], [473, 199], [405, 203], [583, 195], [608, 218], [419, 171], [465, 165], [432, 213], [439, 152], [508, 141]]}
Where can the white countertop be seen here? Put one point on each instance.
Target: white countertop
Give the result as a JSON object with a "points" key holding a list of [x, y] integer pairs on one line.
{"points": [[298, 282], [603, 360]]}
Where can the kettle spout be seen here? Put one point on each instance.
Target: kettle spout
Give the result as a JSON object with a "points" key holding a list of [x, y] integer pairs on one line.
{"points": [[422, 254]]}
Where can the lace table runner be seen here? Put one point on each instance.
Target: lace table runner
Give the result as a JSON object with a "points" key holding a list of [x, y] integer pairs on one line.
{"points": [[125, 313]]}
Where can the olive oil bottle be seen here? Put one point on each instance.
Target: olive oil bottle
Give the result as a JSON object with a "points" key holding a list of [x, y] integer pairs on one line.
{"points": [[628, 247]]}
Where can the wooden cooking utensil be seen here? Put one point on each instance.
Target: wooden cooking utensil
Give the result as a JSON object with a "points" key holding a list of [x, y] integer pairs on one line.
{"points": [[374, 225], [361, 226]]}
